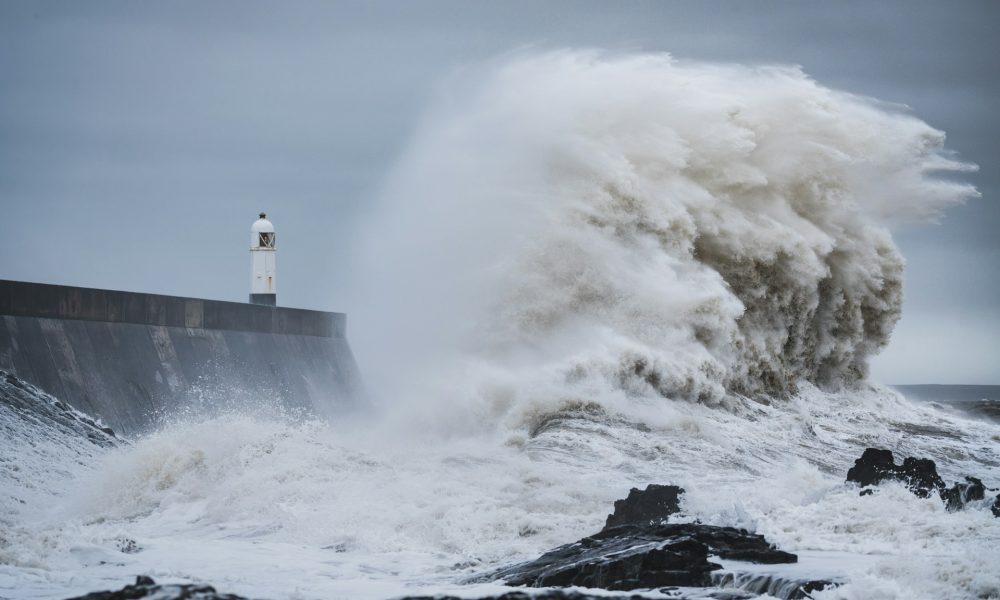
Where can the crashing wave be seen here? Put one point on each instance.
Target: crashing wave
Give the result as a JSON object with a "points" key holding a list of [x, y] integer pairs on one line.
{"points": [[663, 228]]}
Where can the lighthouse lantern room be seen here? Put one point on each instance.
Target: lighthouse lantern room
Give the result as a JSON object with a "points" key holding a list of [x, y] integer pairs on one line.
{"points": [[263, 288]]}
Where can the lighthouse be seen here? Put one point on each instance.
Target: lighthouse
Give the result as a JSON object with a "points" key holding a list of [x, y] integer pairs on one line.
{"points": [[263, 288]]}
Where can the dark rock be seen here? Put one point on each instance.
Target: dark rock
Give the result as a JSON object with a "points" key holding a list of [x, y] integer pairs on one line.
{"points": [[650, 506], [631, 557], [618, 565], [876, 466], [871, 468], [145, 587], [961, 494], [738, 544], [637, 549], [920, 476]]}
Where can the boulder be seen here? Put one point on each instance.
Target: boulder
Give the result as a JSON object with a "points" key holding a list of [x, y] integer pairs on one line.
{"points": [[960, 494], [872, 467], [919, 475], [629, 557], [876, 466], [647, 507]]}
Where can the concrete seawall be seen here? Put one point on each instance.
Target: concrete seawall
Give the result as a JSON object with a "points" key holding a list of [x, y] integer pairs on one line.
{"points": [[132, 359]]}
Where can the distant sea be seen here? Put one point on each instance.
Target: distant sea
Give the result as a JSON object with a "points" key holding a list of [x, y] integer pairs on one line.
{"points": [[981, 401]]}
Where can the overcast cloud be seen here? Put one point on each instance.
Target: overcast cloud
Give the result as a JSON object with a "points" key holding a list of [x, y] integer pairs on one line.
{"points": [[139, 140]]}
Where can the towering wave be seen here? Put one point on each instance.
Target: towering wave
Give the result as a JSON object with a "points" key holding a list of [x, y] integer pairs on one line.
{"points": [[650, 227]]}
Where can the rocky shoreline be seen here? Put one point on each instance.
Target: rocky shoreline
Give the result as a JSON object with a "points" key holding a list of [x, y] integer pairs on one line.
{"points": [[639, 550]]}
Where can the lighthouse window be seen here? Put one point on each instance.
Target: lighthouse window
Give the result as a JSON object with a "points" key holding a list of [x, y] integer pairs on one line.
{"points": [[266, 240]]}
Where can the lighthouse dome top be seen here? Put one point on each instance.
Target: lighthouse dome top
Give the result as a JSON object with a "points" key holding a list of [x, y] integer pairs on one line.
{"points": [[262, 234], [262, 225]]}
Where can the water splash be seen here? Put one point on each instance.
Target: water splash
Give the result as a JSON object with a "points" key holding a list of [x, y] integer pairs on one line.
{"points": [[662, 228]]}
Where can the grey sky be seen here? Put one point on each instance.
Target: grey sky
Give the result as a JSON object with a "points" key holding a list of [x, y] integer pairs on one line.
{"points": [[139, 140]]}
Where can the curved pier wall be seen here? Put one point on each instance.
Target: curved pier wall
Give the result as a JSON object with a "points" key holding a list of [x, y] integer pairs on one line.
{"points": [[132, 359]]}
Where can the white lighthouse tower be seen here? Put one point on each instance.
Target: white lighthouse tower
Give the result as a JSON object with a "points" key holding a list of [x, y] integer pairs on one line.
{"points": [[263, 285]]}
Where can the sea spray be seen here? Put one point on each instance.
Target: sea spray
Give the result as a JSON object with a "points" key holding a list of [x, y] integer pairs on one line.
{"points": [[259, 507], [645, 227]]}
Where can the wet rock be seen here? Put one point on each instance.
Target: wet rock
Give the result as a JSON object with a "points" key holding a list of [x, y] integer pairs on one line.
{"points": [[871, 468], [919, 475], [629, 557], [961, 494], [876, 466], [734, 544], [145, 587], [619, 564], [637, 549], [647, 507]]}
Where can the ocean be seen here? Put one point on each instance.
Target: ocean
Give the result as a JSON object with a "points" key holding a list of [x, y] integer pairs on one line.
{"points": [[981, 401], [282, 509], [588, 273]]}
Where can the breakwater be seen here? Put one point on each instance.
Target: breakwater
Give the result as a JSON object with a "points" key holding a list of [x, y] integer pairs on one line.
{"points": [[130, 358]]}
